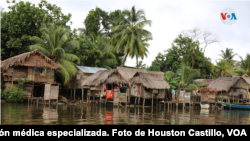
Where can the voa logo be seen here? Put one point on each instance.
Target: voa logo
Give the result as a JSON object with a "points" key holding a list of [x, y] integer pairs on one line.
{"points": [[228, 16]]}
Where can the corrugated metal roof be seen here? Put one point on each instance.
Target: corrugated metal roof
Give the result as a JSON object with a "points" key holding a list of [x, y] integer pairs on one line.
{"points": [[89, 69], [198, 79]]}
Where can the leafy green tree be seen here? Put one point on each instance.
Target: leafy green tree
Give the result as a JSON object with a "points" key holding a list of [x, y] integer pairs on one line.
{"points": [[141, 65], [130, 34], [95, 51], [159, 63], [187, 75], [93, 22], [23, 21], [228, 55], [238, 71], [55, 44], [201, 84], [106, 57], [245, 64], [183, 48], [1, 12], [223, 69], [172, 79], [192, 87]]}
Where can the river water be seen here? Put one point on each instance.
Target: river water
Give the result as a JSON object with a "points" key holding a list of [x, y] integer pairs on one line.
{"points": [[33, 114]]}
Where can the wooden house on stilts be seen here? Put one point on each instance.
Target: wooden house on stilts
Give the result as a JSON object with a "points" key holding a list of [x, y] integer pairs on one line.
{"points": [[109, 84], [119, 80], [149, 85], [75, 83], [39, 70], [232, 89]]}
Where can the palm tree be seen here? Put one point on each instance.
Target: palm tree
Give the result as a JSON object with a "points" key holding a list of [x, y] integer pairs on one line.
{"points": [[136, 51], [245, 65], [172, 79], [228, 55], [187, 75], [105, 49], [55, 44], [129, 33], [223, 68]]}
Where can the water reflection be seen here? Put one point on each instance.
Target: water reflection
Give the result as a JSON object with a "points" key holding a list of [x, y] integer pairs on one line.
{"points": [[33, 114]]}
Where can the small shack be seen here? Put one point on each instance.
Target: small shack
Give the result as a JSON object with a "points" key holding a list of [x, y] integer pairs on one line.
{"points": [[232, 89], [39, 70], [208, 95], [148, 85], [109, 84], [75, 83]]}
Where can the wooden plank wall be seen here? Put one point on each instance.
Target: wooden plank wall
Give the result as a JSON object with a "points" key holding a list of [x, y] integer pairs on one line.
{"points": [[7, 75], [147, 94], [76, 81], [27, 89], [161, 94], [184, 97], [54, 91], [44, 77], [47, 92], [207, 96], [30, 73]]}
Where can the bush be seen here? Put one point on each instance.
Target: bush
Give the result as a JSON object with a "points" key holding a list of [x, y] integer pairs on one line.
{"points": [[14, 94]]}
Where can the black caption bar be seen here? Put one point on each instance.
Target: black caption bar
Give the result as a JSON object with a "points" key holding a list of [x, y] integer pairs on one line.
{"points": [[220, 131]]}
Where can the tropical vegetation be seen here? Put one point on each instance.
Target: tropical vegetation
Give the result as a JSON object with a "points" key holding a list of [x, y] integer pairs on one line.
{"points": [[56, 44], [108, 39]]}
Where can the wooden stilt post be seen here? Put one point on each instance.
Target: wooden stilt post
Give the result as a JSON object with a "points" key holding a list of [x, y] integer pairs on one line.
{"points": [[70, 93], [82, 94], [152, 98], [135, 100], [74, 94], [143, 101], [139, 100], [35, 91]]}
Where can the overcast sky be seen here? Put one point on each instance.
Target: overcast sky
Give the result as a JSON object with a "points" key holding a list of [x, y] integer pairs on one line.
{"points": [[169, 18]]}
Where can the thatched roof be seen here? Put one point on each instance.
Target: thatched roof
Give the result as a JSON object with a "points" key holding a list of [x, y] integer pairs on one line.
{"points": [[128, 73], [123, 74], [225, 83], [152, 80], [105, 76], [30, 59]]}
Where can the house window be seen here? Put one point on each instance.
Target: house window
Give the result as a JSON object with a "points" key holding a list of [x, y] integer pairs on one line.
{"points": [[78, 76]]}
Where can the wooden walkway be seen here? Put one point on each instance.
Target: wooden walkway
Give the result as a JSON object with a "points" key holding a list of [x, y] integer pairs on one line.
{"points": [[37, 100]]}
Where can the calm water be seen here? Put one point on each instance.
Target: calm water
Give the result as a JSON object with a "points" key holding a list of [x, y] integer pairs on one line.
{"points": [[32, 114]]}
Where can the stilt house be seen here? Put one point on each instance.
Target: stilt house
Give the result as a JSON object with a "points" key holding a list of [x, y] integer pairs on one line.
{"points": [[123, 75], [39, 70], [149, 85], [110, 82], [75, 83], [232, 89]]}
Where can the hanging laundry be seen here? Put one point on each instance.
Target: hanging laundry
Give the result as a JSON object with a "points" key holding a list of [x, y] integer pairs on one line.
{"points": [[35, 68], [109, 94], [41, 70], [119, 84], [45, 70]]}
